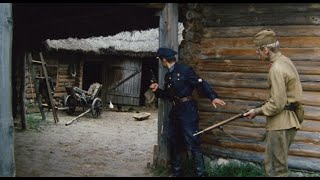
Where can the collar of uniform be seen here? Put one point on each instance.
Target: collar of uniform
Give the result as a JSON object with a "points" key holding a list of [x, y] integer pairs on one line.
{"points": [[172, 68], [275, 56]]}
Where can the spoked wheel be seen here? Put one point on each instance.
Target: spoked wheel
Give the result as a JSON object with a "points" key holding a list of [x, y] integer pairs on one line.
{"points": [[71, 103], [96, 107]]}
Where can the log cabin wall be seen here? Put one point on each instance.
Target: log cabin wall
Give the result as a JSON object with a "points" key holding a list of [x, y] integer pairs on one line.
{"points": [[59, 70], [218, 45]]}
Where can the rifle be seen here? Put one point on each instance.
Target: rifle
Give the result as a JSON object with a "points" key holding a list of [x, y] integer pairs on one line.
{"points": [[227, 120]]}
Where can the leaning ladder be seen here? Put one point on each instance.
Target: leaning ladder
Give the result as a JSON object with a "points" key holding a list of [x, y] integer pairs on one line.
{"points": [[36, 85]]}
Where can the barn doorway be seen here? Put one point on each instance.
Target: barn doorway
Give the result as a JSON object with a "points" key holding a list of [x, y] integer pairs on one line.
{"points": [[149, 69], [92, 73]]}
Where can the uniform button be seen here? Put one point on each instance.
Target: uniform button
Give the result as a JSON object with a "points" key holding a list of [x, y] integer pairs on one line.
{"points": [[169, 77], [178, 79]]}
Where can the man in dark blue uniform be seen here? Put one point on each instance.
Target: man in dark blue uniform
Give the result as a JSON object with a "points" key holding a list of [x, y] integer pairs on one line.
{"points": [[180, 81]]}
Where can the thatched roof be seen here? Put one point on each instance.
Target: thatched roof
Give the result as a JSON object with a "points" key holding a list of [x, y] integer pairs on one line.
{"points": [[135, 43]]}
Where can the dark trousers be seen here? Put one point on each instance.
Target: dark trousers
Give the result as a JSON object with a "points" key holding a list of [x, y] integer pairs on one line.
{"points": [[183, 123]]}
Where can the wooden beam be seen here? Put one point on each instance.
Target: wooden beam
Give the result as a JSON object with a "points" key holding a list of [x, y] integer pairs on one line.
{"points": [[7, 162], [168, 38], [22, 93]]}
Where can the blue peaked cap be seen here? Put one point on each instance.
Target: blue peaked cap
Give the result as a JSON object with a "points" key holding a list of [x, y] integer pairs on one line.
{"points": [[166, 52]]}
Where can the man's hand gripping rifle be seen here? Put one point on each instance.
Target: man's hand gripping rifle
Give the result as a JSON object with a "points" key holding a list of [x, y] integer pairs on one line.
{"points": [[226, 121]]}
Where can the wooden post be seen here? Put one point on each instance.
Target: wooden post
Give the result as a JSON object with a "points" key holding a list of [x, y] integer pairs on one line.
{"points": [[22, 93], [168, 32], [7, 163]]}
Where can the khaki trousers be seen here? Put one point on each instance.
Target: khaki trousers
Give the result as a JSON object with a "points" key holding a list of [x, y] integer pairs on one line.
{"points": [[276, 153]]}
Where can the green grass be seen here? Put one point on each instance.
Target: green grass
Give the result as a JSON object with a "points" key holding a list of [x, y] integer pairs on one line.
{"points": [[160, 170], [232, 169], [228, 170], [236, 170], [34, 120]]}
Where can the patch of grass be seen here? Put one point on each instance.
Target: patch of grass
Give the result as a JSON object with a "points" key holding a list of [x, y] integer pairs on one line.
{"points": [[229, 170], [160, 170], [242, 169], [34, 120], [232, 169]]}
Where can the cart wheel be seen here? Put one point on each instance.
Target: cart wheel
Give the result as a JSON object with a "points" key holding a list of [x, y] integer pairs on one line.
{"points": [[71, 103], [96, 107]]}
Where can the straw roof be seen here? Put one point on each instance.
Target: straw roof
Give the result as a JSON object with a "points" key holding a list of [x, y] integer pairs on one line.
{"points": [[135, 43]]}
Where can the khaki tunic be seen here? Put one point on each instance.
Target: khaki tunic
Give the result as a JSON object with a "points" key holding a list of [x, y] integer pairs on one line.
{"points": [[285, 88]]}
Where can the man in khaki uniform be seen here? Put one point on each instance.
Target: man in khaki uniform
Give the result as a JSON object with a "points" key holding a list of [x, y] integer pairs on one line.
{"points": [[284, 95]]}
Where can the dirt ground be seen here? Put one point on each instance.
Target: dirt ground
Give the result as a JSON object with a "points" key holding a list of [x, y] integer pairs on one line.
{"points": [[114, 145]]}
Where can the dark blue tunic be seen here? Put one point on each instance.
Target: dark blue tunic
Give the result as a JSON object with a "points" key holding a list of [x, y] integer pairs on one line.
{"points": [[184, 117]]}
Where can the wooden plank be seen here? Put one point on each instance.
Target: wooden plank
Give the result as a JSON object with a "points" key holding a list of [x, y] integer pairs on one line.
{"points": [[308, 98], [7, 158], [253, 80], [253, 66], [246, 42], [259, 8], [250, 31], [296, 149], [305, 18], [22, 93], [168, 37], [294, 162], [310, 54], [123, 80], [311, 112]]}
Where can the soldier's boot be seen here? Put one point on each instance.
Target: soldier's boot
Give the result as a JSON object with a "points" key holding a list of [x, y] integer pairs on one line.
{"points": [[199, 163], [176, 166]]}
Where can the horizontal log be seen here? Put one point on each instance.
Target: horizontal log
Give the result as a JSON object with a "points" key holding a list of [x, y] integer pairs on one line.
{"points": [[258, 8], [311, 103], [256, 133], [253, 66], [65, 76], [296, 149], [305, 18], [250, 31], [242, 93], [311, 54], [246, 42], [294, 162], [253, 80], [311, 98], [208, 119], [312, 112]]}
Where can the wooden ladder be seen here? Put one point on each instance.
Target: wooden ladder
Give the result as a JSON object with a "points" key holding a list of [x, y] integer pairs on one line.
{"points": [[36, 85]]}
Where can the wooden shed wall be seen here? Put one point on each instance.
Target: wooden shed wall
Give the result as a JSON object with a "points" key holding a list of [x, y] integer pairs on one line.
{"points": [[122, 80], [61, 75], [127, 93], [222, 52]]}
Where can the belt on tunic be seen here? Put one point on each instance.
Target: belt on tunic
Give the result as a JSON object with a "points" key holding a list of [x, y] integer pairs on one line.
{"points": [[290, 107], [181, 100]]}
